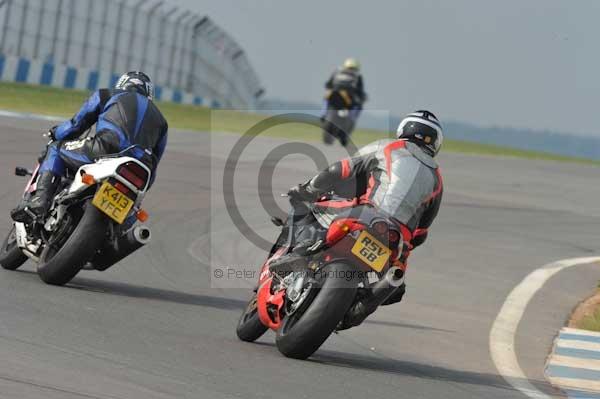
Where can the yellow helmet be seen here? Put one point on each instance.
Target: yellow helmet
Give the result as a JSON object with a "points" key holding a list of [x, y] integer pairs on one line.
{"points": [[351, 63]]}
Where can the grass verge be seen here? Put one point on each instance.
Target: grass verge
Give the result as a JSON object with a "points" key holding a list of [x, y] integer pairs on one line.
{"points": [[591, 322], [590, 317], [46, 100]]}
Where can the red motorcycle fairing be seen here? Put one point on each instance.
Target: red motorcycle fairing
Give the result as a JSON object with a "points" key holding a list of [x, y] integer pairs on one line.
{"points": [[340, 239], [265, 299]]}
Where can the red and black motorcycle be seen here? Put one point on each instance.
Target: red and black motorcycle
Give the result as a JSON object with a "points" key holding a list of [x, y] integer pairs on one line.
{"points": [[335, 284]]}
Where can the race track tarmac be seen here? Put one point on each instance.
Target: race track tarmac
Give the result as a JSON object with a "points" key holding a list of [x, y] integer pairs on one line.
{"points": [[161, 325]]}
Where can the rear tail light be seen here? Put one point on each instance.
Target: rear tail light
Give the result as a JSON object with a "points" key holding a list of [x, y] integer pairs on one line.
{"points": [[381, 228], [394, 236], [385, 232], [122, 188], [134, 174]]}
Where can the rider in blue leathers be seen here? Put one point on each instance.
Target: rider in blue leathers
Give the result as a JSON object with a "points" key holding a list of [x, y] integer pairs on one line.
{"points": [[126, 118]]}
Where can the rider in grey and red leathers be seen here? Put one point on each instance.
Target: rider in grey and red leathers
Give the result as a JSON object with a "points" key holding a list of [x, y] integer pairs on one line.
{"points": [[399, 177]]}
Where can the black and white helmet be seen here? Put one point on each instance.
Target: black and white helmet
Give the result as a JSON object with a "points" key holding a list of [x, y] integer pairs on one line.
{"points": [[424, 129], [136, 81]]}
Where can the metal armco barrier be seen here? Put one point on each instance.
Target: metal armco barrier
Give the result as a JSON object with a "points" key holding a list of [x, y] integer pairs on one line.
{"points": [[87, 44]]}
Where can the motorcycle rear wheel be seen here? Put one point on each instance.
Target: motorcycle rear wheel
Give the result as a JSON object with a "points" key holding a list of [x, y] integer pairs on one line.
{"points": [[249, 327], [59, 265], [11, 256], [327, 138], [302, 333], [329, 130]]}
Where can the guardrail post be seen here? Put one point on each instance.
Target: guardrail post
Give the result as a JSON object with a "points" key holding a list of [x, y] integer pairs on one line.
{"points": [[188, 31], [71, 18], [22, 28], [196, 54], [161, 39], [145, 59], [134, 21], [102, 33], [175, 41], [38, 33], [8, 4], [86, 33], [55, 32], [115, 49]]}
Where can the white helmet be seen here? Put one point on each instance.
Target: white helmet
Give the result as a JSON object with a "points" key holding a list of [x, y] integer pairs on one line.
{"points": [[351, 63], [423, 129]]}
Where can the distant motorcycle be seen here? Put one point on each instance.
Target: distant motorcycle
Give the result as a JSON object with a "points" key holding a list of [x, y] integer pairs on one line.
{"points": [[344, 277], [338, 122], [91, 223]]}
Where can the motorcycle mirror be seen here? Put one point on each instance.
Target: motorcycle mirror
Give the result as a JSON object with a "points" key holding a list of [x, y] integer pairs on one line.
{"points": [[19, 171], [277, 221]]}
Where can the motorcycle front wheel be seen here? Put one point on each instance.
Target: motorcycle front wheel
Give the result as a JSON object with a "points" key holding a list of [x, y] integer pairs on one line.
{"points": [[303, 332], [249, 327], [11, 256]]}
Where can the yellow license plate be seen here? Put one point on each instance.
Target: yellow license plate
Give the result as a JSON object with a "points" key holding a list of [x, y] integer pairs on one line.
{"points": [[371, 251], [112, 202]]}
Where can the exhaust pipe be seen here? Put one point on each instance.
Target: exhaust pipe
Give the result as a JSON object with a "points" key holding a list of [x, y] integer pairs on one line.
{"points": [[380, 292], [385, 287], [124, 246]]}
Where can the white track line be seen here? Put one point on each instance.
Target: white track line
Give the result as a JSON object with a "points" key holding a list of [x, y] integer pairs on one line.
{"points": [[25, 115], [502, 335]]}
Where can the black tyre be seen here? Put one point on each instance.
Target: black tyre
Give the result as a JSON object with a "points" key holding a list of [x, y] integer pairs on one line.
{"points": [[60, 263], [344, 138], [249, 327], [11, 256], [327, 138], [302, 333], [329, 128]]}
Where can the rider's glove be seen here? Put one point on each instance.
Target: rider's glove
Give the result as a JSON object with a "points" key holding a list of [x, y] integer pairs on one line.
{"points": [[52, 133], [303, 193], [49, 135]]}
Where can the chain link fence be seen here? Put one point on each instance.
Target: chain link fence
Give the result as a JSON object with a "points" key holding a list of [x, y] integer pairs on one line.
{"points": [[190, 58]]}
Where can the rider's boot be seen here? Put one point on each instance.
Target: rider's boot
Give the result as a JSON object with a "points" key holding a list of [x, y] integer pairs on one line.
{"points": [[356, 314], [362, 309], [396, 296], [39, 203]]}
